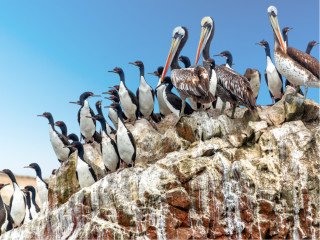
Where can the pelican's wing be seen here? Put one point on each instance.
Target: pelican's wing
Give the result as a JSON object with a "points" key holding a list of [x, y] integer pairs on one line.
{"points": [[237, 85], [305, 60], [191, 81]]}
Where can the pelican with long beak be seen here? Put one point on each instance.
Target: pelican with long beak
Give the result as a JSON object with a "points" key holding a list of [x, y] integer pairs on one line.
{"points": [[190, 82], [296, 66], [230, 85]]}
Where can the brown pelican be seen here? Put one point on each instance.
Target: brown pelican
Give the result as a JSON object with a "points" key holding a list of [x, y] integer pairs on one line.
{"points": [[298, 67], [254, 77], [231, 86], [189, 82]]}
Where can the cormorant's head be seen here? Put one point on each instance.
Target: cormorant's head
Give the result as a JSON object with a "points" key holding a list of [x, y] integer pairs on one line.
{"points": [[139, 64]]}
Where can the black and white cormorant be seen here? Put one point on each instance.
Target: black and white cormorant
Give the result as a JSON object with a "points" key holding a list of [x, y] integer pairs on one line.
{"points": [[254, 77], [311, 44], [298, 67], [190, 82], [145, 93], [109, 129], [5, 218], [42, 186], [58, 141], [173, 102], [109, 150], [17, 201], [85, 174], [87, 125], [125, 142], [272, 76], [127, 98], [33, 208], [163, 108]]}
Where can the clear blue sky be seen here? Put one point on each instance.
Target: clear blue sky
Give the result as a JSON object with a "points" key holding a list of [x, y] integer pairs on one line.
{"points": [[52, 51]]}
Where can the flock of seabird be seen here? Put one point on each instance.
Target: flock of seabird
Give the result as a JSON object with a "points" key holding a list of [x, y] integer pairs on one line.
{"points": [[207, 86]]}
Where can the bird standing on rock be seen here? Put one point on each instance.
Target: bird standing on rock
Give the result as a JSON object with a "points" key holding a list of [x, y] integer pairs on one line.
{"points": [[34, 208], [87, 125], [85, 174], [163, 108], [125, 141], [254, 77], [17, 201], [145, 93], [58, 141], [42, 186], [173, 102], [189, 82], [109, 150], [298, 67], [128, 100], [109, 129], [272, 76]]}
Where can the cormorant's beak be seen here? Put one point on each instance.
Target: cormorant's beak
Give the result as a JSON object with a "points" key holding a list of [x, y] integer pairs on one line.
{"points": [[289, 28], [113, 88], [56, 124], [174, 46], [27, 167], [133, 63], [218, 55], [106, 92], [113, 71], [259, 43], [154, 73], [90, 117], [41, 115], [108, 98], [315, 44], [276, 30], [203, 34], [5, 185], [78, 102], [108, 107]]}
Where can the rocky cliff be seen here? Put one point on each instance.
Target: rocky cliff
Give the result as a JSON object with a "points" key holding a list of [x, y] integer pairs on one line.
{"points": [[252, 177]]}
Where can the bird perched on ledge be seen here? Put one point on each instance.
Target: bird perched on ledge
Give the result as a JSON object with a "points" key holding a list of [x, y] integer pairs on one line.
{"points": [[298, 67], [190, 82]]}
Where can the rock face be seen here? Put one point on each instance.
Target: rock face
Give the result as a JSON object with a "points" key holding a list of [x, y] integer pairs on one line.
{"points": [[253, 177]]}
